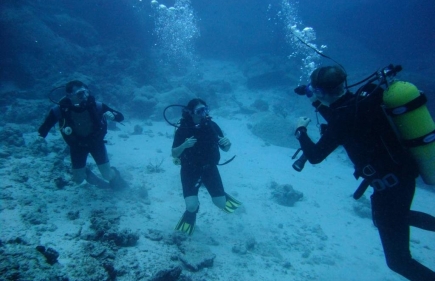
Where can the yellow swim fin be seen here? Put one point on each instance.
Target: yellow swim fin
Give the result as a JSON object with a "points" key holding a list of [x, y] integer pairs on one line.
{"points": [[187, 223], [231, 204]]}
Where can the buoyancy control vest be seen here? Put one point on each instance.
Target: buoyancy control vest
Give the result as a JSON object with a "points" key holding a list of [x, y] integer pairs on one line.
{"points": [[206, 150], [369, 138], [82, 125]]}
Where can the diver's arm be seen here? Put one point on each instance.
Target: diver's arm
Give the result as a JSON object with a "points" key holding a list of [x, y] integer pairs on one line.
{"points": [[118, 116], [315, 152], [223, 142], [49, 122], [176, 151], [189, 142]]}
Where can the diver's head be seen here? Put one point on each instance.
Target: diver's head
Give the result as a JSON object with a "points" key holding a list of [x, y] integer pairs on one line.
{"points": [[328, 83], [77, 91], [196, 110]]}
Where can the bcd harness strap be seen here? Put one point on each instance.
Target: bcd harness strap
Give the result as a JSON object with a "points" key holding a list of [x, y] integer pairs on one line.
{"points": [[228, 161], [407, 107], [387, 181], [379, 183], [425, 139]]}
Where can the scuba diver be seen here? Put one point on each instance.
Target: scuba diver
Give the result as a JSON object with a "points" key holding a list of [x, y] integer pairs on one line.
{"points": [[83, 125], [196, 147], [358, 123]]}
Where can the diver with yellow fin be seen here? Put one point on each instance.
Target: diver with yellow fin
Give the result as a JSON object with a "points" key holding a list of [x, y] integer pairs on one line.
{"points": [[196, 146]]}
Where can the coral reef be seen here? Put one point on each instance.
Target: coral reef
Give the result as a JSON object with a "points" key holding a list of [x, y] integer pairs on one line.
{"points": [[11, 137], [105, 225], [285, 194], [155, 167], [196, 256]]}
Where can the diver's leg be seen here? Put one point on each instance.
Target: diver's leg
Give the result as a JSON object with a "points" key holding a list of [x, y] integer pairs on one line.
{"points": [[111, 174], [114, 177], [390, 211], [187, 221], [93, 179], [213, 182], [106, 171], [395, 242], [78, 175], [192, 204], [421, 220], [78, 162], [190, 180], [219, 201], [99, 153]]}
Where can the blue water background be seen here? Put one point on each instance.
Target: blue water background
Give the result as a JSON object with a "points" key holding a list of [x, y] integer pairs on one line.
{"points": [[361, 35]]}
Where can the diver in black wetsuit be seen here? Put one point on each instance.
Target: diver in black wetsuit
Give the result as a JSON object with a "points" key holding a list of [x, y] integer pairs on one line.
{"points": [[83, 125], [196, 145], [358, 123]]}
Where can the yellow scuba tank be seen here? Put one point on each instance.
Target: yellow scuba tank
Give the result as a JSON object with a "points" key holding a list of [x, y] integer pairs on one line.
{"points": [[407, 107]]}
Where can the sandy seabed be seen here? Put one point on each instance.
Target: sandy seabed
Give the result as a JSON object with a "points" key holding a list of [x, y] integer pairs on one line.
{"points": [[325, 236]]}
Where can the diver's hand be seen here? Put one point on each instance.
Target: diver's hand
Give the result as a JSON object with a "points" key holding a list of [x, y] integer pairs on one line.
{"points": [[109, 116], [303, 122], [223, 141], [189, 142]]}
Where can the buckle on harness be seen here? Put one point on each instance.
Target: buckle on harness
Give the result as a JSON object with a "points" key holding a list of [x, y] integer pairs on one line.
{"points": [[388, 181], [368, 170]]}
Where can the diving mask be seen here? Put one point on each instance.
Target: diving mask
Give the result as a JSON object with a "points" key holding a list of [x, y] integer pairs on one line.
{"points": [[81, 94], [201, 111], [322, 92], [319, 92]]}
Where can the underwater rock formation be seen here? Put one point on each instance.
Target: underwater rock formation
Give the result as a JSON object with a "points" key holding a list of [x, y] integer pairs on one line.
{"points": [[285, 194]]}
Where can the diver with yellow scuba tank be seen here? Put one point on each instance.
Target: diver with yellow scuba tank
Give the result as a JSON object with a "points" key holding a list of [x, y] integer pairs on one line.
{"points": [[360, 124]]}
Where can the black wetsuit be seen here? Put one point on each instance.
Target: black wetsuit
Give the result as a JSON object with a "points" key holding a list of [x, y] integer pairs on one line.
{"points": [[358, 123], [88, 128], [199, 163]]}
